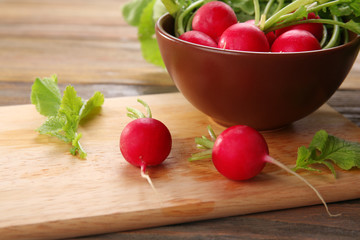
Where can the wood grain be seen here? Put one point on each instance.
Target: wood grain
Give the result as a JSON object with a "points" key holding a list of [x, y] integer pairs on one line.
{"points": [[298, 223], [46, 192], [83, 41], [352, 81], [88, 44]]}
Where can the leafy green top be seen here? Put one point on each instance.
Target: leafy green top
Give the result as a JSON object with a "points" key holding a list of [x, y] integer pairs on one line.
{"points": [[64, 114], [323, 149], [268, 14], [328, 150], [134, 113], [46, 96]]}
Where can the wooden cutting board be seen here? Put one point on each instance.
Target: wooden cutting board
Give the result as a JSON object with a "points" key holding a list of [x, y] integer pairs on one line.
{"points": [[47, 193]]}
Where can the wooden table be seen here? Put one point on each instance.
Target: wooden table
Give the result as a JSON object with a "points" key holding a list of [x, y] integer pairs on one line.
{"points": [[88, 44]]}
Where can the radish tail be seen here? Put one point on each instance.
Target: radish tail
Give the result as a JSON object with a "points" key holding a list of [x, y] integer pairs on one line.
{"points": [[147, 177], [279, 164]]}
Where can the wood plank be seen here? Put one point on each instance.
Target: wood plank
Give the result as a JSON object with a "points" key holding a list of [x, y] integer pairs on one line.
{"points": [[77, 62], [83, 41], [47, 193], [298, 223], [347, 102], [75, 12], [352, 81]]}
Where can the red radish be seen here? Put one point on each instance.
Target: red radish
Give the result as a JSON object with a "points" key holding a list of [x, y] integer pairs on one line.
{"points": [[240, 153], [145, 141], [295, 41], [244, 37], [198, 38], [315, 29], [213, 18], [270, 35]]}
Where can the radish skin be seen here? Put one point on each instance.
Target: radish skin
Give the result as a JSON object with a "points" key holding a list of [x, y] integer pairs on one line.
{"points": [[240, 153], [244, 37], [198, 38], [145, 141], [270, 36], [213, 18], [295, 41]]}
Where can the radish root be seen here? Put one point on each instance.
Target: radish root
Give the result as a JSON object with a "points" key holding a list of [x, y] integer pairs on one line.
{"points": [[147, 177], [279, 164]]}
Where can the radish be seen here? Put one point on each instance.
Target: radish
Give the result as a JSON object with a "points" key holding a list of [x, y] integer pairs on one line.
{"points": [[236, 160], [213, 18], [240, 153], [198, 38], [315, 29], [145, 141], [270, 35], [244, 37], [295, 41]]}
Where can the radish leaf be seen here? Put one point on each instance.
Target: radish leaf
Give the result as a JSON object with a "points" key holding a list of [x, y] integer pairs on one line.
{"points": [[146, 34], [132, 11], [328, 150], [64, 114], [45, 95]]}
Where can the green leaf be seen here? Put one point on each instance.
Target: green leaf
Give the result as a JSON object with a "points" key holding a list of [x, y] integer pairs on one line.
{"points": [[45, 95], [133, 10], [171, 6], [70, 109], [53, 126], [245, 6], [323, 147], [146, 35], [355, 6], [353, 26], [158, 10], [304, 159], [70, 103], [346, 8], [94, 102], [77, 148], [71, 125], [344, 154], [330, 166]]}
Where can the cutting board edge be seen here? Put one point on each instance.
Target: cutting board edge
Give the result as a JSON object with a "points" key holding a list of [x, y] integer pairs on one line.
{"points": [[114, 222]]}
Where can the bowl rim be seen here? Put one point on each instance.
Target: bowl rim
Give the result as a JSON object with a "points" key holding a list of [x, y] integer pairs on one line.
{"points": [[159, 28]]}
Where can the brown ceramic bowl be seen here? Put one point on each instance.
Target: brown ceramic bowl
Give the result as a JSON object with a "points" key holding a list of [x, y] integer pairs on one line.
{"points": [[262, 90]]}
